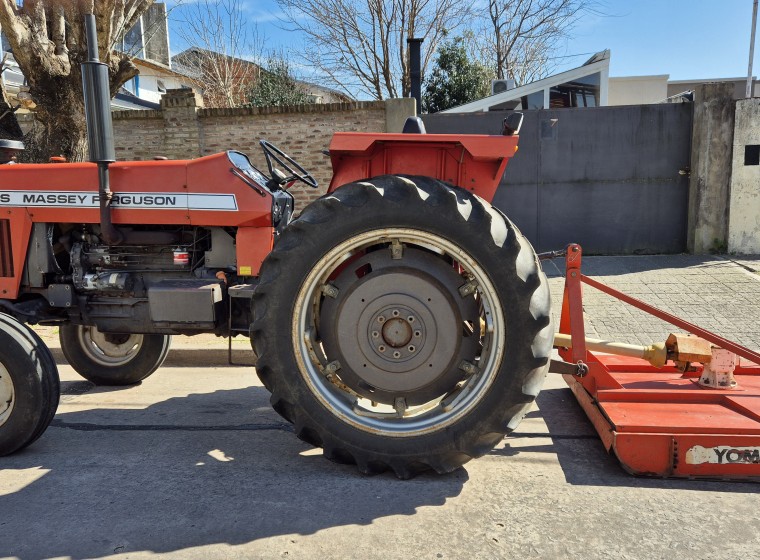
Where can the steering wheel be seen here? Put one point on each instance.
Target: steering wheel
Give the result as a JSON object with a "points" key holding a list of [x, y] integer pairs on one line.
{"points": [[276, 155]]}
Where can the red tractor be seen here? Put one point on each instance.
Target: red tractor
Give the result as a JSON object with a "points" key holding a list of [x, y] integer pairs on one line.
{"points": [[400, 322]]}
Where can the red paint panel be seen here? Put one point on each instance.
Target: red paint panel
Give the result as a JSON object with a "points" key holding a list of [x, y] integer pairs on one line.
{"points": [[473, 162], [253, 244], [676, 417], [645, 454]]}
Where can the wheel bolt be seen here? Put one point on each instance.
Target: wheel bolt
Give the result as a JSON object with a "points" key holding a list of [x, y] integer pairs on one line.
{"points": [[380, 319], [381, 348], [410, 319], [412, 348], [375, 334], [396, 313], [417, 333], [397, 354]]}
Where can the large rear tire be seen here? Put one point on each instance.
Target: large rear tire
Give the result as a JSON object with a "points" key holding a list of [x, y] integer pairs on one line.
{"points": [[29, 386], [402, 324], [112, 359]]}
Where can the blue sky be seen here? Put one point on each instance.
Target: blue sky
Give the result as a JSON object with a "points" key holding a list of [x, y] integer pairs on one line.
{"points": [[686, 39]]}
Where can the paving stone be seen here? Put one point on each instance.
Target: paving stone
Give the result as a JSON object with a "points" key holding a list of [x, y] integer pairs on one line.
{"points": [[716, 293]]}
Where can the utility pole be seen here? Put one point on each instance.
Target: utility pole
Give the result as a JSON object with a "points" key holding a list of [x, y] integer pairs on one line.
{"points": [[751, 49]]}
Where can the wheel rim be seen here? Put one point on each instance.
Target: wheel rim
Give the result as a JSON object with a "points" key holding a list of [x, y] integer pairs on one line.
{"points": [[106, 349], [398, 332], [7, 395]]}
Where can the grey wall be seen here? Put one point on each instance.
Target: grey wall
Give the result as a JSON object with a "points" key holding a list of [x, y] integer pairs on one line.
{"points": [[607, 178], [156, 34]]}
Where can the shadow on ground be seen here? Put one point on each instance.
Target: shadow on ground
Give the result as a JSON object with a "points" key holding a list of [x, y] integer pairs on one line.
{"points": [[198, 470], [191, 357], [631, 264]]}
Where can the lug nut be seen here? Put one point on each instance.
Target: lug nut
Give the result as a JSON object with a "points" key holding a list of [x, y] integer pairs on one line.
{"points": [[375, 334], [396, 313], [412, 348], [381, 348], [410, 319], [397, 354], [381, 319], [417, 333]]}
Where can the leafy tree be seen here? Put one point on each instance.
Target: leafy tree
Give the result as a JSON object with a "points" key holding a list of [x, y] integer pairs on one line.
{"points": [[277, 86], [47, 38], [455, 79]]}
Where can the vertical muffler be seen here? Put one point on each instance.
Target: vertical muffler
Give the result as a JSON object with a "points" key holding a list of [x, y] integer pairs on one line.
{"points": [[415, 71], [97, 109]]}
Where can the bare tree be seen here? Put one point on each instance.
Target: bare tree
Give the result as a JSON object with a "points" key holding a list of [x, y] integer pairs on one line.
{"points": [[521, 37], [221, 48], [360, 46], [48, 42]]}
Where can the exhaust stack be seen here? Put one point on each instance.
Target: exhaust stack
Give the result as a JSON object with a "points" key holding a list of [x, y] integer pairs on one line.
{"points": [[415, 70], [97, 108]]}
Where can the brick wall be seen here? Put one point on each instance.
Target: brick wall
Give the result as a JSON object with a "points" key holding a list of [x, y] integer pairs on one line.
{"points": [[183, 130]]}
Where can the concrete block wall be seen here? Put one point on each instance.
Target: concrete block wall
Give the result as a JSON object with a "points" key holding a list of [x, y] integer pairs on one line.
{"points": [[184, 130], [709, 185], [744, 210]]}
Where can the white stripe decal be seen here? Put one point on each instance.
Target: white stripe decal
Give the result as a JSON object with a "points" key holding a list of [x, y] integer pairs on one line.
{"points": [[139, 200]]}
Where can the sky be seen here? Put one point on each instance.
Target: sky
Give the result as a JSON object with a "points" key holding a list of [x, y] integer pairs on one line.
{"points": [[686, 39]]}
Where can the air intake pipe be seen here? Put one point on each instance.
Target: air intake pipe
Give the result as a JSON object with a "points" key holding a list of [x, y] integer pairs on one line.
{"points": [[97, 109]]}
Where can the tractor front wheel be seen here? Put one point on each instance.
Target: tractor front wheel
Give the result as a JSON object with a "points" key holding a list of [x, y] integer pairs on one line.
{"points": [[402, 324], [29, 386], [112, 359]]}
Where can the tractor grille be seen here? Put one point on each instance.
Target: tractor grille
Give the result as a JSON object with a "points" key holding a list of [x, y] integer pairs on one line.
{"points": [[6, 254]]}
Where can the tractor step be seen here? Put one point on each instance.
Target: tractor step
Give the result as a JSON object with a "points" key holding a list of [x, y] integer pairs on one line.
{"points": [[664, 421]]}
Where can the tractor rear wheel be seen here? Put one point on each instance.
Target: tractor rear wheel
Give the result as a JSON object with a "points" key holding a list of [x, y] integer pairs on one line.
{"points": [[29, 386], [402, 324], [112, 359]]}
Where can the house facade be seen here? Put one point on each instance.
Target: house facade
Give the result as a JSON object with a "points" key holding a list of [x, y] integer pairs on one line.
{"points": [[147, 41]]}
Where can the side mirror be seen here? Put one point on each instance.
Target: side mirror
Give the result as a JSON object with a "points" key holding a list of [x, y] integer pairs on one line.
{"points": [[512, 124]]}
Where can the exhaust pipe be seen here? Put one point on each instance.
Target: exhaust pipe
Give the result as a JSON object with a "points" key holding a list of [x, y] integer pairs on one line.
{"points": [[415, 70], [97, 108]]}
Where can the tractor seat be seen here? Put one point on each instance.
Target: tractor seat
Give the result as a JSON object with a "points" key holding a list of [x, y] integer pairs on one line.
{"points": [[414, 125]]}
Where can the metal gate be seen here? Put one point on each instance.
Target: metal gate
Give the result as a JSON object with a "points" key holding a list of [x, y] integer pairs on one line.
{"points": [[609, 178]]}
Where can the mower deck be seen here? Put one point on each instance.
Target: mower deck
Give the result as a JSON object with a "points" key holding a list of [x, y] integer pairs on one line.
{"points": [[662, 423], [659, 421]]}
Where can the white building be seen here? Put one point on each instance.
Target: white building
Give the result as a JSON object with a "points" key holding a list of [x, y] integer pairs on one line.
{"points": [[147, 41], [585, 86]]}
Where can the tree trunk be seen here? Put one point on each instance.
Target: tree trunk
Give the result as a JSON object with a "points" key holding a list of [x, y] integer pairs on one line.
{"points": [[60, 128], [9, 127]]}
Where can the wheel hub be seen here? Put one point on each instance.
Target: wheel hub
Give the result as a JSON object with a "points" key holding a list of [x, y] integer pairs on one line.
{"points": [[6, 395], [395, 327], [397, 332], [109, 349]]}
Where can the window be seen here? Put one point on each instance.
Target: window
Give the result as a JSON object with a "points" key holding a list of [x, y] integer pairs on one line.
{"points": [[160, 85], [752, 154], [133, 40], [581, 92], [533, 100], [131, 86]]}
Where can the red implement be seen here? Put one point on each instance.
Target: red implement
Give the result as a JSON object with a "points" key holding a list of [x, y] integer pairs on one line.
{"points": [[659, 421]]}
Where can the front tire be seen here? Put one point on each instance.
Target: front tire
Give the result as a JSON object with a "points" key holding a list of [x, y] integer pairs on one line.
{"points": [[112, 359], [29, 386], [402, 323]]}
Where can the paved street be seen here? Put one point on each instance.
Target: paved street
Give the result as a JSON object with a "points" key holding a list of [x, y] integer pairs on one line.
{"points": [[194, 464]]}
